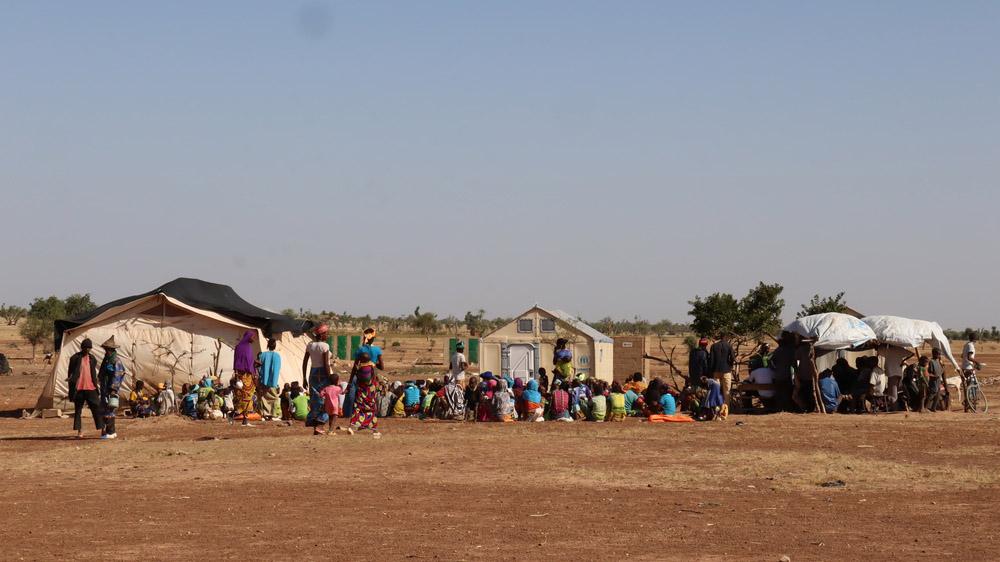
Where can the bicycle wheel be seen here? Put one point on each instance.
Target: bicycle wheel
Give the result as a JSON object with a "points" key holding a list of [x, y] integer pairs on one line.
{"points": [[977, 400]]}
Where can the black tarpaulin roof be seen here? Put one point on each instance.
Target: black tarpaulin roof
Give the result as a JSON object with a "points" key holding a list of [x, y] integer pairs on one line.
{"points": [[220, 299]]}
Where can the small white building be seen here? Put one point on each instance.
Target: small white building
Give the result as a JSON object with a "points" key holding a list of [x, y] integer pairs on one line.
{"points": [[528, 342]]}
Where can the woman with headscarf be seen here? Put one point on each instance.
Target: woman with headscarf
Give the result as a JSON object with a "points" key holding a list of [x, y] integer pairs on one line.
{"points": [[503, 402], [518, 398], [246, 375], [484, 411], [534, 408], [374, 355], [365, 414]]}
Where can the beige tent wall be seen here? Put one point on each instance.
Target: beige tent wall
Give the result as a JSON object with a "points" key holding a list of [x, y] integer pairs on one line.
{"points": [[292, 350], [161, 339]]}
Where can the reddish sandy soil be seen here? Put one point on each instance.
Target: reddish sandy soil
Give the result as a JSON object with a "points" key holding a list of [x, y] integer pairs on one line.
{"points": [[916, 487]]}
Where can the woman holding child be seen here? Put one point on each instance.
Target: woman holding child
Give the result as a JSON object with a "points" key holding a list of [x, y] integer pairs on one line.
{"points": [[365, 414]]}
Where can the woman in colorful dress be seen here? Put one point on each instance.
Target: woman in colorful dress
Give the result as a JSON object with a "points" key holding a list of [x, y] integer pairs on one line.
{"points": [[365, 415], [374, 355], [246, 375]]}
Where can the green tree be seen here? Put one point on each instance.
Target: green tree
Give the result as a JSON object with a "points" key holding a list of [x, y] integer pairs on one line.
{"points": [[424, 322], [36, 331], [77, 305], [290, 312], [716, 314], [820, 305], [749, 319], [12, 313], [50, 308], [662, 328], [475, 323], [760, 311]]}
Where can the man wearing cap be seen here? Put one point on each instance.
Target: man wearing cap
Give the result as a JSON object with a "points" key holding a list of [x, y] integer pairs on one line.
{"points": [[84, 387], [458, 365], [112, 374]]}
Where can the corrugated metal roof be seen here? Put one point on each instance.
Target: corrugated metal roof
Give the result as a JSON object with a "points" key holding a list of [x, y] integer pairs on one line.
{"points": [[577, 324]]}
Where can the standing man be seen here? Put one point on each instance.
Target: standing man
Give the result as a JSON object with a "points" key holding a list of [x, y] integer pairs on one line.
{"points": [[698, 363], [112, 374], [270, 374], [84, 387], [935, 380], [721, 360], [969, 365], [458, 365]]}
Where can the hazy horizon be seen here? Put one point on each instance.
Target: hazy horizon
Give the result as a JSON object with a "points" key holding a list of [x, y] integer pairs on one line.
{"points": [[604, 159]]}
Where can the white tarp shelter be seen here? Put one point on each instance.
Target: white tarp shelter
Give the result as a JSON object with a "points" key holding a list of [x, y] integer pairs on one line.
{"points": [[907, 332], [175, 334], [832, 330]]}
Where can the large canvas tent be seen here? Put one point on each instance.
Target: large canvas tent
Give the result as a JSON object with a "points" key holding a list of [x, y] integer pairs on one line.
{"points": [[174, 334]]}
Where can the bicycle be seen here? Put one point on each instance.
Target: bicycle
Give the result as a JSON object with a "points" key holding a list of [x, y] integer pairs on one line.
{"points": [[974, 398]]}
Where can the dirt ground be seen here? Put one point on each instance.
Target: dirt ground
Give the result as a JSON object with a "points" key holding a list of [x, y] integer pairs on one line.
{"points": [[915, 486], [751, 488]]}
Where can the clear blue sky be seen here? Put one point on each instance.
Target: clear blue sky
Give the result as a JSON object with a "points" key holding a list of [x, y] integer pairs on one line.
{"points": [[606, 158]]}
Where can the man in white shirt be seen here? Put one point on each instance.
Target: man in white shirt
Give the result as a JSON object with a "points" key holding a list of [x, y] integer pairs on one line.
{"points": [[458, 365], [894, 357], [763, 375], [969, 364]]}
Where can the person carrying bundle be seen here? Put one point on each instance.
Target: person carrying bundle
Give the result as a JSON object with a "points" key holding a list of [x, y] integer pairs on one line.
{"points": [[563, 359]]}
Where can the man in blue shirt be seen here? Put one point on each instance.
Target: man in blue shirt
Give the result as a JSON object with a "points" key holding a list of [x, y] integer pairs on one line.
{"points": [[830, 391]]}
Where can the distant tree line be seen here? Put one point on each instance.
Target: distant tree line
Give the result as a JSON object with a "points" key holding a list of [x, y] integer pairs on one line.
{"points": [[473, 323], [993, 334], [422, 322]]}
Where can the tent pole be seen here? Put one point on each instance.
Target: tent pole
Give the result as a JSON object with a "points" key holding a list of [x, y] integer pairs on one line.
{"points": [[818, 396]]}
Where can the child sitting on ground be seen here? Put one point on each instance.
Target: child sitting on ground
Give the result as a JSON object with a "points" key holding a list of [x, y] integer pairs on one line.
{"points": [[286, 402], [300, 402], [580, 396], [399, 403], [599, 401], [617, 403], [472, 398], [427, 402], [331, 400]]}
